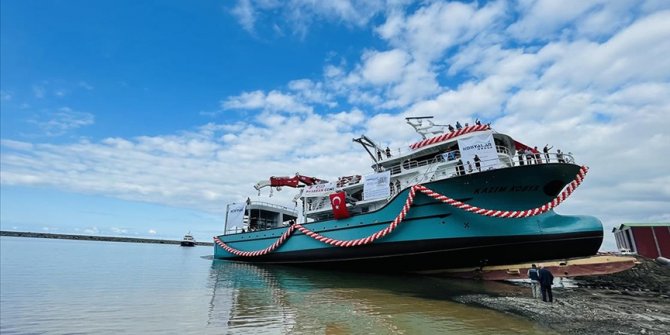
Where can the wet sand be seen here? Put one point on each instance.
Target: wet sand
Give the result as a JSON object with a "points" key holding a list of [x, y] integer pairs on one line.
{"points": [[635, 301]]}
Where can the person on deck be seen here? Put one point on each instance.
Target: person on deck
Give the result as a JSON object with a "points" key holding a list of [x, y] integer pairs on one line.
{"points": [[460, 170], [478, 163], [388, 152], [546, 151], [534, 276], [458, 125], [530, 158], [520, 153], [379, 155], [546, 280], [451, 129], [559, 156], [538, 157]]}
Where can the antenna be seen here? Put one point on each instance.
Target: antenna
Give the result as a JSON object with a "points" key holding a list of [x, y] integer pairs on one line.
{"points": [[424, 126]]}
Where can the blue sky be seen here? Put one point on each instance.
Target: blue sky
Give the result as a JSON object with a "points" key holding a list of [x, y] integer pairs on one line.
{"points": [[147, 118]]}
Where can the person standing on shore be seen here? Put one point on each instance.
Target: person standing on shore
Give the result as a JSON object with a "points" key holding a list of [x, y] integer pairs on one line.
{"points": [[534, 276], [546, 280]]}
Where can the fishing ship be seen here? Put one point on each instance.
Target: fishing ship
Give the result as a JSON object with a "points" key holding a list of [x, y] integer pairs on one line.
{"points": [[459, 197]]}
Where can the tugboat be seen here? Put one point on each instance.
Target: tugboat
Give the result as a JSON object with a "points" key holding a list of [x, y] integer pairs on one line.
{"points": [[188, 241], [467, 196]]}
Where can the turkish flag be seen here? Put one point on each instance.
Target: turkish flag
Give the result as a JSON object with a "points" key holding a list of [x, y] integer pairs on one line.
{"points": [[340, 210]]}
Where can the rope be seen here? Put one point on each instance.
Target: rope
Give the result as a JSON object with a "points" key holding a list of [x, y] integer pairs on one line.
{"points": [[267, 250], [509, 214], [366, 240], [403, 213]]}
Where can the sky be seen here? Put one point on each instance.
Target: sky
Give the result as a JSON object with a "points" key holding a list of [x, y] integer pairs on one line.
{"points": [[145, 118]]}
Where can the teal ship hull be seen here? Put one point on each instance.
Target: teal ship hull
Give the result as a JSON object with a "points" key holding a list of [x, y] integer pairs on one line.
{"points": [[435, 236]]}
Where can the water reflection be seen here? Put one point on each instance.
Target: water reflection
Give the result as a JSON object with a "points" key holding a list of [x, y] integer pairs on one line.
{"points": [[258, 299]]}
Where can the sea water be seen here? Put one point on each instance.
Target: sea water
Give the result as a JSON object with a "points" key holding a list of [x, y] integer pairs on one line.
{"points": [[52, 286]]}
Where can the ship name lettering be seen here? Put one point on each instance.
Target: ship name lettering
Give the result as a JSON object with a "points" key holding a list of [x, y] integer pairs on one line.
{"points": [[514, 188]]}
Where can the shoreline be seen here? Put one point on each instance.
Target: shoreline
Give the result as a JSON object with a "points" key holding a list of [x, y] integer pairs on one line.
{"points": [[586, 311], [635, 301], [94, 238]]}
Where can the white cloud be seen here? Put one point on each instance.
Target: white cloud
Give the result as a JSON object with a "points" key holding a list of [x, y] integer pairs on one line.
{"points": [[381, 68], [299, 15], [245, 14], [91, 230], [545, 19], [618, 60], [16, 145], [38, 92], [272, 101], [85, 85], [408, 72], [5, 95], [62, 120], [430, 31], [201, 169], [119, 231]]}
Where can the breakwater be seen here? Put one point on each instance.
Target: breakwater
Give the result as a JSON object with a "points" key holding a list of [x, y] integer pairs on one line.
{"points": [[94, 238]]}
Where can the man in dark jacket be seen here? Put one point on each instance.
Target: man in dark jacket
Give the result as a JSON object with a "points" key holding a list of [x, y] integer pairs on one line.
{"points": [[546, 280]]}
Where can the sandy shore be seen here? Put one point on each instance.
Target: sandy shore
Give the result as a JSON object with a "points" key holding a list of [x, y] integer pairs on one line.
{"points": [[635, 301]]}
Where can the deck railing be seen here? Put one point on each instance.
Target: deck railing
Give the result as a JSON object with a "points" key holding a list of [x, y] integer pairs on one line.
{"points": [[267, 204], [450, 169]]}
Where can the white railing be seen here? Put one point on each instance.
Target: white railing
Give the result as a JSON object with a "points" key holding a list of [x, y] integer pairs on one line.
{"points": [[542, 158], [413, 164], [450, 168], [267, 204]]}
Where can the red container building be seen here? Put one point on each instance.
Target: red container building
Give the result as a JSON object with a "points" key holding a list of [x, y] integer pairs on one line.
{"points": [[645, 239]]}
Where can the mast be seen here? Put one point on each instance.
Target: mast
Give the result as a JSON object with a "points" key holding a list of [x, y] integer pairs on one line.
{"points": [[225, 223], [368, 143]]}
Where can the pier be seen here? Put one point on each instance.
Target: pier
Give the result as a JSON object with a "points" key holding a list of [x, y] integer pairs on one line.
{"points": [[95, 238]]}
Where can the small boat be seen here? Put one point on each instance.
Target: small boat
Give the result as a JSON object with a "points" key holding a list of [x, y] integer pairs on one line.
{"points": [[457, 198], [188, 241]]}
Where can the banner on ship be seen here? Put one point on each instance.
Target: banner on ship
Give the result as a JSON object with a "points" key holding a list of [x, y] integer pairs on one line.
{"points": [[484, 147], [377, 186], [312, 190], [235, 218]]}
